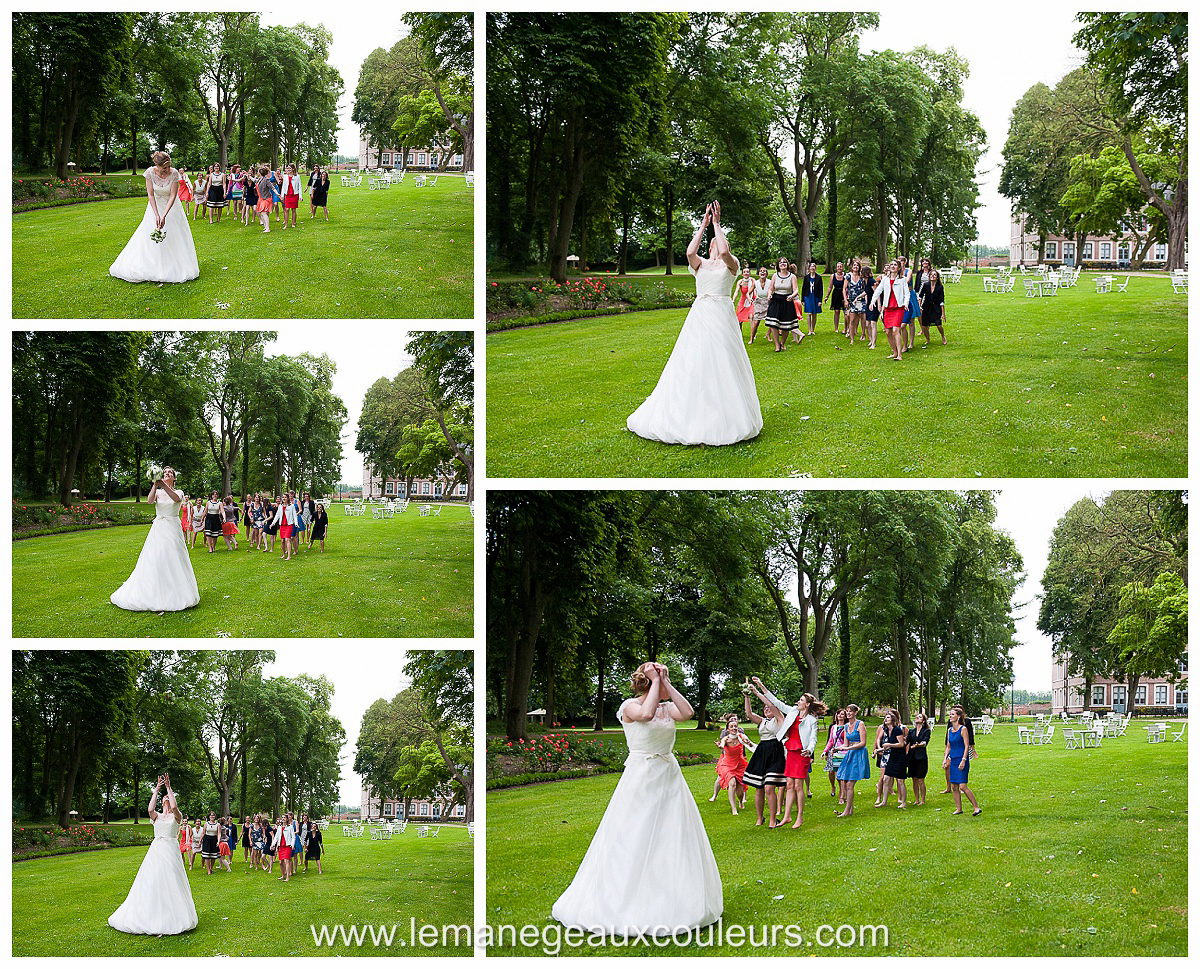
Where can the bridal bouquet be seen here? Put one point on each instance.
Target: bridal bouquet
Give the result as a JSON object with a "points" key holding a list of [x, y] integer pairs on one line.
{"points": [[158, 235], [747, 689], [153, 473]]}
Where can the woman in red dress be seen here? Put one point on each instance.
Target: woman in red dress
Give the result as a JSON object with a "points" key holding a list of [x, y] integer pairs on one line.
{"points": [[746, 295], [732, 765], [891, 295], [291, 190]]}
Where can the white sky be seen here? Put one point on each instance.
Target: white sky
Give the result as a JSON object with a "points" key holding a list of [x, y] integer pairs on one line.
{"points": [[363, 354], [1009, 48], [360, 677], [356, 32], [1028, 511]]}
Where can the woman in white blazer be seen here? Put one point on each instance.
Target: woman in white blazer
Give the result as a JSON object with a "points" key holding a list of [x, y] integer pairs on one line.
{"points": [[291, 188], [891, 296], [286, 515]]}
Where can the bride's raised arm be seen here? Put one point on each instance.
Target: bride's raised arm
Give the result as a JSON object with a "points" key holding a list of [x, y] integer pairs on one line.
{"points": [[720, 246], [693, 249]]}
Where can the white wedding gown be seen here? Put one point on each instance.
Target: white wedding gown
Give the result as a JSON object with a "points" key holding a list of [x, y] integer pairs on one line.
{"points": [[160, 901], [649, 867], [706, 394], [163, 579], [171, 261]]}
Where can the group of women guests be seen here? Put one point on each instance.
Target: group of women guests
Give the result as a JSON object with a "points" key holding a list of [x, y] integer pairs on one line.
{"points": [[780, 765], [293, 841], [901, 297], [253, 194], [292, 518]]}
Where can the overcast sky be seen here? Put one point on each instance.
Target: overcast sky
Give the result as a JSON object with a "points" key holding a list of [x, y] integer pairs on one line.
{"points": [[363, 353], [356, 32], [359, 676], [1009, 48]]}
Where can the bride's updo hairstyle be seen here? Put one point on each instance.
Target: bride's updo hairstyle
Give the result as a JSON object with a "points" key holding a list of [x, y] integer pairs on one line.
{"points": [[160, 158], [639, 683]]}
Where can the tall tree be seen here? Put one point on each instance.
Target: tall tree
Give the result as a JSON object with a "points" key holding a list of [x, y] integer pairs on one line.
{"points": [[446, 361], [1141, 58], [447, 44]]}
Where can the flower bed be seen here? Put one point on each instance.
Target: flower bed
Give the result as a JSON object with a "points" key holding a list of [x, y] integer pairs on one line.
{"points": [[512, 304], [31, 520], [47, 191], [41, 841], [559, 756]]}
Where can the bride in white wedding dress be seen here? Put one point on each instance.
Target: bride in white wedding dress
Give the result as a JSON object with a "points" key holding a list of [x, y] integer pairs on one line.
{"points": [[173, 258], [163, 579], [160, 901], [649, 869], [706, 394]]}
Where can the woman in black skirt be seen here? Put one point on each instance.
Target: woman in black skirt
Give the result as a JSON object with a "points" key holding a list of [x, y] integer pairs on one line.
{"points": [[216, 194], [933, 305], [270, 529], [319, 527], [765, 772], [209, 850], [895, 742], [316, 845], [837, 295], [319, 198], [212, 521], [918, 756], [781, 309]]}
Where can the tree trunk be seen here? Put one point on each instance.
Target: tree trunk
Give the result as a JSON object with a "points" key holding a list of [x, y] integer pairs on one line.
{"points": [[831, 232], [623, 261], [570, 198], [669, 205]]}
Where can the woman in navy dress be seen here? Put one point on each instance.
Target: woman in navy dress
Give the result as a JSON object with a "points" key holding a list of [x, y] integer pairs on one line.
{"points": [[812, 295], [837, 295], [855, 766], [918, 756], [895, 741], [958, 760]]}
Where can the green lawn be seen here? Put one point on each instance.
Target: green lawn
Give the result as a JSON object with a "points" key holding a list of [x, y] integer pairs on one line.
{"points": [[1078, 385], [402, 577], [1077, 853], [61, 905], [403, 253]]}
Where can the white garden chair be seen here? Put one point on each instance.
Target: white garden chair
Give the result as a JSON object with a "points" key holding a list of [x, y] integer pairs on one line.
{"points": [[1156, 733], [469, 178], [1179, 281], [1044, 739], [1072, 737], [1177, 737], [1121, 287], [1104, 284], [437, 510], [437, 830]]}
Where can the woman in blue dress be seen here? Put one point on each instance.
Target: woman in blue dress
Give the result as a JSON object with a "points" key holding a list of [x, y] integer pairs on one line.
{"points": [[958, 761], [855, 765], [812, 295]]}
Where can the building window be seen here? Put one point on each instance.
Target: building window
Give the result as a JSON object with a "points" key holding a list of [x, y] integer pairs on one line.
{"points": [[437, 489], [1160, 695], [424, 810], [385, 158], [1051, 250], [414, 489], [1098, 695], [389, 488], [424, 487], [1160, 252], [1087, 250], [1118, 696], [1141, 695], [457, 162], [421, 158], [460, 810], [1068, 250], [1123, 250], [437, 810], [410, 157], [461, 489], [1181, 698], [1106, 250]]}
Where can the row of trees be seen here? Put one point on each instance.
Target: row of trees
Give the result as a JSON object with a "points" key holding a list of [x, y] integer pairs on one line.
{"points": [[107, 89], [421, 423], [1104, 152], [419, 744], [1115, 589], [93, 728], [421, 92], [604, 129], [893, 597], [91, 410]]}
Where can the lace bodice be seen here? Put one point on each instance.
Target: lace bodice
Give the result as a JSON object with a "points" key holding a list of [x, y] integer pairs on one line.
{"points": [[166, 827], [656, 736], [165, 506], [713, 280], [162, 187]]}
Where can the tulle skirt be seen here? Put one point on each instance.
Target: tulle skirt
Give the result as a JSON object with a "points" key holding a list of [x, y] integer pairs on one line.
{"points": [[171, 261], [649, 867], [160, 901], [706, 394], [163, 579]]}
